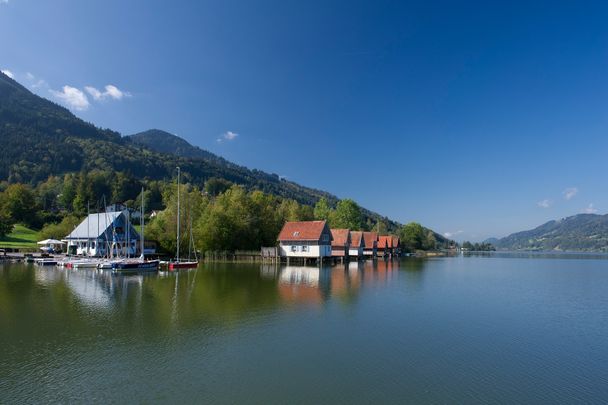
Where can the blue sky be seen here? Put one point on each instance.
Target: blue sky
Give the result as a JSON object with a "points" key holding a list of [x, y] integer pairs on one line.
{"points": [[476, 119]]}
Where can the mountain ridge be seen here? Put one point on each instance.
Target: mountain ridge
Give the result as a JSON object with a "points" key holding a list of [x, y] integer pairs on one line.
{"points": [[580, 232], [42, 138]]}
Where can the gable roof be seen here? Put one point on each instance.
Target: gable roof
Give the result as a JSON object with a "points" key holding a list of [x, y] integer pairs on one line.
{"points": [[303, 230], [356, 239], [369, 239], [396, 241], [95, 225], [385, 242], [341, 237]]}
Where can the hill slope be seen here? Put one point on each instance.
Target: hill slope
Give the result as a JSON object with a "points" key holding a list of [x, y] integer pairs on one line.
{"points": [[41, 138], [164, 142], [582, 232]]}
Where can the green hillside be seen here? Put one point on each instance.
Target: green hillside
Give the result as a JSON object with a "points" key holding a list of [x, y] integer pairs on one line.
{"points": [[582, 232]]}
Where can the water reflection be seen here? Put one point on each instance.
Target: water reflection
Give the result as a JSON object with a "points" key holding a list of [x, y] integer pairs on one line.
{"points": [[215, 294]]}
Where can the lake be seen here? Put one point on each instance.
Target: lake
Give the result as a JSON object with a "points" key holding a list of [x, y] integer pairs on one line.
{"points": [[444, 330]]}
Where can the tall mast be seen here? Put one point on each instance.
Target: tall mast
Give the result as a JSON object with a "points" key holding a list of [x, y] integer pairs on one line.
{"points": [[88, 229], [177, 254], [142, 223]]}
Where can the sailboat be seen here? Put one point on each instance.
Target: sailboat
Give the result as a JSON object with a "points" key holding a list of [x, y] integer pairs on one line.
{"points": [[183, 264], [141, 264]]}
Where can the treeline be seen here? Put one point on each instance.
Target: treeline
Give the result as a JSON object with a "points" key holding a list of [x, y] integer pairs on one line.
{"points": [[478, 247], [220, 216]]}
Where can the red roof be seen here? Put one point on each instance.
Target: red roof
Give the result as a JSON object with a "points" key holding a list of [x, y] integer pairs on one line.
{"points": [[396, 241], [340, 237], [356, 237], [385, 242], [304, 230], [370, 238]]}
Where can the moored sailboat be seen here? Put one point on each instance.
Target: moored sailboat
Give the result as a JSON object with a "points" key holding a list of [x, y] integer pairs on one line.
{"points": [[178, 264]]}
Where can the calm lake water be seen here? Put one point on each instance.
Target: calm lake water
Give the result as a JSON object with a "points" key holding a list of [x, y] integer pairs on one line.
{"points": [[446, 330]]}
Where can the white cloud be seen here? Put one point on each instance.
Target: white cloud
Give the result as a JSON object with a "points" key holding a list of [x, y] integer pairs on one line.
{"points": [[544, 203], [35, 83], [111, 91], [569, 193], [6, 71], [72, 97], [227, 136], [4, 2], [590, 209], [451, 234]]}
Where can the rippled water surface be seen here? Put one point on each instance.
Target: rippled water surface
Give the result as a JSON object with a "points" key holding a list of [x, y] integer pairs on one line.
{"points": [[447, 330]]}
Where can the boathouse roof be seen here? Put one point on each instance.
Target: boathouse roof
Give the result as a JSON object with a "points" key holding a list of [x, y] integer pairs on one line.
{"points": [[370, 238], [304, 231], [385, 242], [341, 237], [356, 239], [96, 225]]}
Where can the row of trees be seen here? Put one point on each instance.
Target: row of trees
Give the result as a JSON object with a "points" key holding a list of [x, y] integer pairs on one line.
{"points": [[219, 216], [478, 247]]}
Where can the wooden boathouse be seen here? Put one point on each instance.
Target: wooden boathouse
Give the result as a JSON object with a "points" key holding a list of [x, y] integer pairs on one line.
{"points": [[305, 240]]}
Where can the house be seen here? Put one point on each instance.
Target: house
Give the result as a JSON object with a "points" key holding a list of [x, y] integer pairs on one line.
{"points": [[385, 246], [340, 243], [396, 246], [357, 244], [370, 240], [103, 233], [306, 239]]}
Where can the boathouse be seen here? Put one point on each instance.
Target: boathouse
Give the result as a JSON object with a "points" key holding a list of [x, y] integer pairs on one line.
{"points": [[385, 246], [340, 243], [357, 244], [103, 233], [370, 240], [396, 246], [305, 239]]}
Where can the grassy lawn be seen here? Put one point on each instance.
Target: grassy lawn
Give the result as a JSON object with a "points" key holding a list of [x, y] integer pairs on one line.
{"points": [[20, 237]]}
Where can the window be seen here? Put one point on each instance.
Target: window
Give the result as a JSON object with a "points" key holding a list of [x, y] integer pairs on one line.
{"points": [[304, 248], [294, 248], [296, 233], [325, 238]]}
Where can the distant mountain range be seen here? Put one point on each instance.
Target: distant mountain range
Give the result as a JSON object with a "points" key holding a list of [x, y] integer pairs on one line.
{"points": [[582, 232], [41, 138]]}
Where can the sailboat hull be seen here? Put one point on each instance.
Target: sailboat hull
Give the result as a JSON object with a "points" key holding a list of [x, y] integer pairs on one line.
{"points": [[182, 265], [136, 266]]}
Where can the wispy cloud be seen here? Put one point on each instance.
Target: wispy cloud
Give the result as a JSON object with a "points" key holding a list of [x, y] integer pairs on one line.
{"points": [[570, 192], [111, 92], [227, 136], [544, 203], [590, 209], [72, 97], [35, 82], [6, 71], [452, 234], [4, 2]]}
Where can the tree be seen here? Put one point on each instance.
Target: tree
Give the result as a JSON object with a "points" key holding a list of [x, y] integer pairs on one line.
{"points": [[216, 186], [6, 225], [61, 229], [322, 210], [412, 236], [19, 204], [347, 215]]}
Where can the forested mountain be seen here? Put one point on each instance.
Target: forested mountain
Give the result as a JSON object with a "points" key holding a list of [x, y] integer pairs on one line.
{"points": [[164, 142], [41, 138], [582, 232]]}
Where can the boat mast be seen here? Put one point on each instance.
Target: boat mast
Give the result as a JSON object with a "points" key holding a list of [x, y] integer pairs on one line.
{"points": [[142, 224], [177, 254], [88, 229]]}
